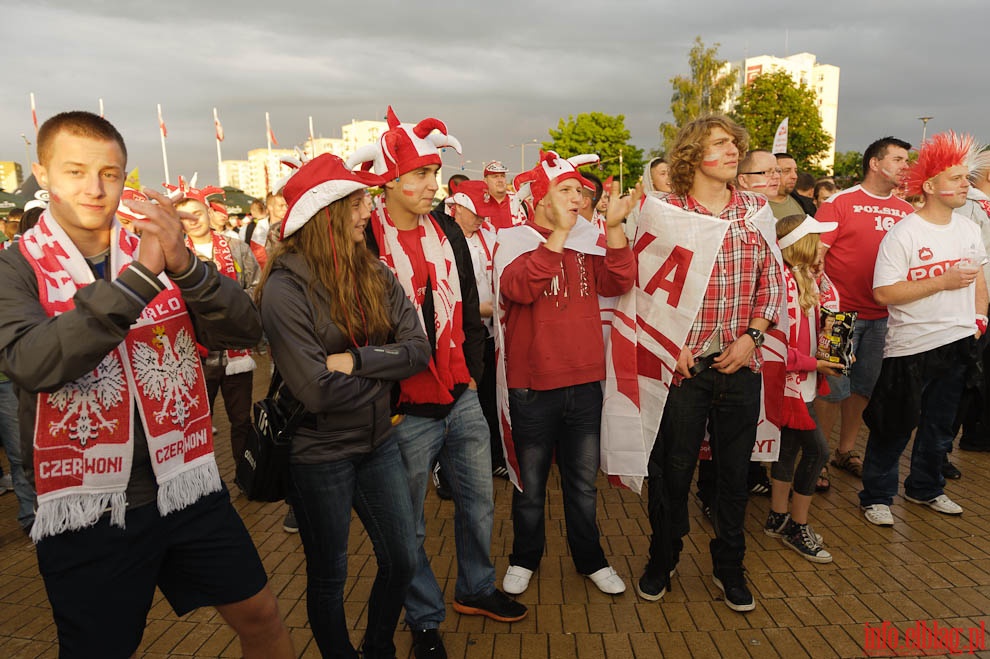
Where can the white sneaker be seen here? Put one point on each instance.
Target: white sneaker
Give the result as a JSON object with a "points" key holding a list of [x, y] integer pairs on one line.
{"points": [[941, 504], [878, 514], [516, 580], [608, 581]]}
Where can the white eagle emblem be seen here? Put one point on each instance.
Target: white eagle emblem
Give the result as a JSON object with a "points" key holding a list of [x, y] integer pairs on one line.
{"points": [[85, 400], [169, 376]]}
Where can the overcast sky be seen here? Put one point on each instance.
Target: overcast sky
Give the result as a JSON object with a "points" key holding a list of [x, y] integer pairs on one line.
{"points": [[498, 72]]}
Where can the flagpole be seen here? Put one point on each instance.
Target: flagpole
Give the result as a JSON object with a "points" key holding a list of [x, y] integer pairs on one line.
{"points": [[312, 140], [34, 115], [216, 125], [101, 109], [161, 132], [268, 161]]}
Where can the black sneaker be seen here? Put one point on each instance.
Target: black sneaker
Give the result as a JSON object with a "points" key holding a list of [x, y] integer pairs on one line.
{"points": [[804, 541], [497, 606], [427, 644], [733, 587], [441, 483], [776, 523], [289, 524], [652, 588], [500, 472], [950, 471]]}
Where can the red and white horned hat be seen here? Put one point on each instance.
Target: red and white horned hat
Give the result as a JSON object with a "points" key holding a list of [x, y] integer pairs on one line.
{"points": [[551, 168], [317, 184], [404, 147], [189, 191], [937, 154], [474, 196]]}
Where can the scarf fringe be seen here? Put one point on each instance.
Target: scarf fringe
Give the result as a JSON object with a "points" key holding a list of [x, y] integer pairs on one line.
{"points": [[77, 511], [186, 488]]}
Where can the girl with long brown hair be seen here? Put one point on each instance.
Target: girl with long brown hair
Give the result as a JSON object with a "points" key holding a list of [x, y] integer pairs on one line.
{"points": [[342, 333]]}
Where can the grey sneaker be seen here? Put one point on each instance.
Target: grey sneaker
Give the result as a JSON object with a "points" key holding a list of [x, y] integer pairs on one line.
{"points": [[878, 514], [6, 484], [289, 524]]}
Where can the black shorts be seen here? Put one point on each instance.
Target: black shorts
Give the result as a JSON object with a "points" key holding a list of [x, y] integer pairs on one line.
{"points": [[101, 580]]}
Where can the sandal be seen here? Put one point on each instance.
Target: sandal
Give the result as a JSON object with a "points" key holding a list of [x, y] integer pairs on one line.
{"points": [[823, 484], [850, 461]]}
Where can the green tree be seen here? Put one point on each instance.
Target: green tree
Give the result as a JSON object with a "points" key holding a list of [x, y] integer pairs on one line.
{"points": [[847, 168], [706, 91], [604, 134], [764, 103]]}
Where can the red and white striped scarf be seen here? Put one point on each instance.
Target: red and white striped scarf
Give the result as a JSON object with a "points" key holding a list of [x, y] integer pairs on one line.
{"points": [[84, 432], [238, 361], [447, 368]]}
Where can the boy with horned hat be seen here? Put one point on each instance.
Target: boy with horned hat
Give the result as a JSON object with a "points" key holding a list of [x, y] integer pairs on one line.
{"points": [[552, 360], [442, 416]]}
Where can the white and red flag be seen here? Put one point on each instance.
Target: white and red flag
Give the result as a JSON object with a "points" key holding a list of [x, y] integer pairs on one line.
{"points": [[676, 251], [513, 242], [161, 122], [217, 125], [268, 125], [34, 114], [780, 138]]}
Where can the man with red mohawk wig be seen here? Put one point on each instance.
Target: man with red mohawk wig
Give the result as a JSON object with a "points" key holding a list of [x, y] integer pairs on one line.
{"points": [[928, 273]]}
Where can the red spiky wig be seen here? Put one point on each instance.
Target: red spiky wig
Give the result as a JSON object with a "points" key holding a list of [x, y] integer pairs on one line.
{"points": [[936, 155]]}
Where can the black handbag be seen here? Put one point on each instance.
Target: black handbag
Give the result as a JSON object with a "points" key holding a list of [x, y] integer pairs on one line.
{"points": [[263, 471]]}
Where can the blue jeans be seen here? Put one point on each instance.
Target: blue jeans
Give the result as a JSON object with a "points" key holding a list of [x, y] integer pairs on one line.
{"points": [[939, 400], [868, 339], [11, 439], [728, 406], [322, 497], [566, 422], [460, 442]]}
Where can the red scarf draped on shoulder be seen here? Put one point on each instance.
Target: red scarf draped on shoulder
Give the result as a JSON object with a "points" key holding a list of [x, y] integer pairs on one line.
{"points": [[447, 368]]}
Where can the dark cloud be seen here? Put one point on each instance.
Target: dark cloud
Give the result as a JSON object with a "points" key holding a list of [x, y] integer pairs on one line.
{"points": [[496, 73]]}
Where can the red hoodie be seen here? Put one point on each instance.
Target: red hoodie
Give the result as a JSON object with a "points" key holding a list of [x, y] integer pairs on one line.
{"points": [[553, 335]]}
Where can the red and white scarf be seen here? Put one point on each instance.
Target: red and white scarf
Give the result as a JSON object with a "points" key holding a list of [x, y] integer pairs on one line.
{"points": [[84, 432], [651, 324], [238, 361], [447, 368], [512, 243]]}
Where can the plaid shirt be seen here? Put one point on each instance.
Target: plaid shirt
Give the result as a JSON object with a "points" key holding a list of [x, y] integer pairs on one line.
{"points": [[746, 281]]}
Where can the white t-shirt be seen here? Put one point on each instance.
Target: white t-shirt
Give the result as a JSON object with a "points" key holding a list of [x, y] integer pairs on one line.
{"points": [[915, 249], [205, 249]]}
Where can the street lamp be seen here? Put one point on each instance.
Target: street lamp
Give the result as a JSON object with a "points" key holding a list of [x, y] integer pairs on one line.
{"points": [[522, 152], [924, 127]]}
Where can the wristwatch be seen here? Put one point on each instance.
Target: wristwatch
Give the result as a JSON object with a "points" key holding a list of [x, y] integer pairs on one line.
{"points": [[756, 335]]}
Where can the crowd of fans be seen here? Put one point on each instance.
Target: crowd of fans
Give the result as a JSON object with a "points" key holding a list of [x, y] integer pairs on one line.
{"points": [[456, 342]]}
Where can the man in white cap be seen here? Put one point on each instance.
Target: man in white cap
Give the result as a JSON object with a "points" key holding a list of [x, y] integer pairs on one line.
{"points": [[442, 416], [508, 211]]}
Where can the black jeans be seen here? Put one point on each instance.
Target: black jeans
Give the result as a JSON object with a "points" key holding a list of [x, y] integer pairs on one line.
{"points": [[728, 406]]}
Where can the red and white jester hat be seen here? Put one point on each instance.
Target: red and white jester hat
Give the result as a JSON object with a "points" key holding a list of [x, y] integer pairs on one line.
{"points": [[317, 184], [472, 195], [404, 147], [936, 155], [189, 191], [551, 169]]}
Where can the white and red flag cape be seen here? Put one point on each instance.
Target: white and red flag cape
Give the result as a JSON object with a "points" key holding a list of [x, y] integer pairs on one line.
{"points": [[512, 243], [676, 251]]}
